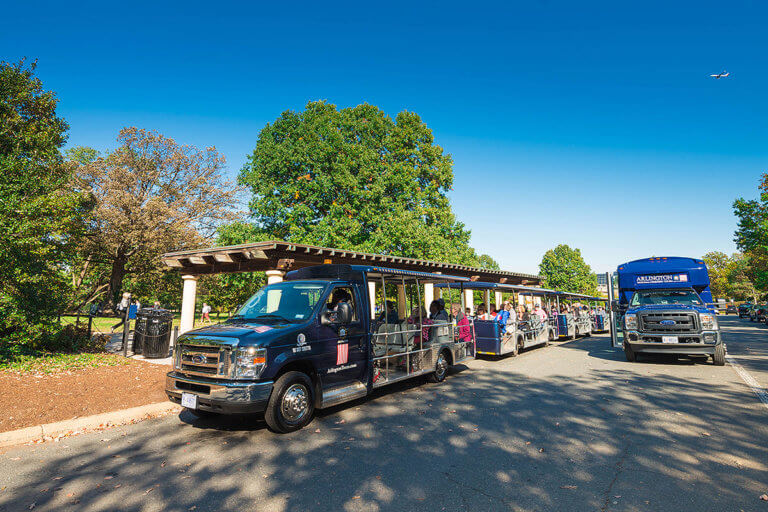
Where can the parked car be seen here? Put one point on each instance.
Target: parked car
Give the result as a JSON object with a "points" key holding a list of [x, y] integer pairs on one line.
{"points": [[757, 312], [744, 310], [730, 310]]}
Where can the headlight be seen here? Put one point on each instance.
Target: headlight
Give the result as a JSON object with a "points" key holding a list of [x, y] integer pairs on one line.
{"points": [[708, 321], [630, 321], [250, 362]]}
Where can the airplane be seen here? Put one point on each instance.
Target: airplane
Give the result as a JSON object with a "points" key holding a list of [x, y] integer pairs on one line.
{"points": [[720, 75]]}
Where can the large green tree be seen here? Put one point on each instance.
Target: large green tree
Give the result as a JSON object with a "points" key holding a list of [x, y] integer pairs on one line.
{"points": [[719, 267], [564, 269], [39, 209], [357, 179], [751, 235]]}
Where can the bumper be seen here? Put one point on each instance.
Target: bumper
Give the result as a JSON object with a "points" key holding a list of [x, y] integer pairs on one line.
{"points": [[691, 344], [227, 397]]}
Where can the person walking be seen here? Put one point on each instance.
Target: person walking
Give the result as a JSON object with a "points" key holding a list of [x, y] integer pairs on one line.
{"points": [[206, 313], [121, 308]]}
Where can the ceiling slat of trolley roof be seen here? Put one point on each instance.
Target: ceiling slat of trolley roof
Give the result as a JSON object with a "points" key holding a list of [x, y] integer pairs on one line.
{"points": [[276, 255]]}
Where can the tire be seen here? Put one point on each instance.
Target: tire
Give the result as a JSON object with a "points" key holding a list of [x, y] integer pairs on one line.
{"points": [[292, 403], [718, 358], [441, 367], [520, 345], [630, 355]]}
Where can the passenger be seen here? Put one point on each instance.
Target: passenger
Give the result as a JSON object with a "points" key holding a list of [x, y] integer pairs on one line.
{"points": [[494, 314], [526, 314], [468, 312], [419, 315], [439, 316], [482, 314], [539, 311], [503, 316], [392, 317], [464, 330]]}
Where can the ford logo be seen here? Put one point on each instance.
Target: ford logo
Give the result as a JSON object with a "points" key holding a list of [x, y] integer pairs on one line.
{"points": [[668, 322], [199, 359]]}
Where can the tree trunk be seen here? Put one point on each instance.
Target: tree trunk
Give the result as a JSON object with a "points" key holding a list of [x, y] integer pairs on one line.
{"points": [[116, 281]]}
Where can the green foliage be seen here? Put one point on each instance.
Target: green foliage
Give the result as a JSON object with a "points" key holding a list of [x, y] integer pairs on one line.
{"points": [[39, 211], [718, 265], [485, 261], [731, 276], [356, 179], [225, 292], [751, 235], [564, 269]]}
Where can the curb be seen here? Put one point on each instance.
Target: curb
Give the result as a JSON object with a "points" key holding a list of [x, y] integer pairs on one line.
{"points": [[53, 431]]}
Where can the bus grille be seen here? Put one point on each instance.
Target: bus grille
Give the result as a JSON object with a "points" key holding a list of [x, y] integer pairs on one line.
{"points": [[668, 322]]}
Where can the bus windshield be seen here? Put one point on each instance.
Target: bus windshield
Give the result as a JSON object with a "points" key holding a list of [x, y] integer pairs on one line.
{"points": [[286, 302], [650, 297]]}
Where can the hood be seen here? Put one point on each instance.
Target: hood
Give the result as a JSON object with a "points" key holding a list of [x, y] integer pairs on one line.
{"points": [[247, 333], [669, 307]]}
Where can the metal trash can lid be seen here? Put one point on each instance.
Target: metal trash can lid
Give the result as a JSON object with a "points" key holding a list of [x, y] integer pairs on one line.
{"points": [[155, 313]]}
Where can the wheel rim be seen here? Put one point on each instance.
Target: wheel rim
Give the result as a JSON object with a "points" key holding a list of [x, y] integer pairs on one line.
{"points": [[295, 403], [442, 366]]}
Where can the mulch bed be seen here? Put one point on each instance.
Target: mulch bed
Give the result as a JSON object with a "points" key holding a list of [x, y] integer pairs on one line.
{"points": [[33, 399]]}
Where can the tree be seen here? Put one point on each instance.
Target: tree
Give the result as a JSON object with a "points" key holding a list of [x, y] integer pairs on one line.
{"points": [[740, 278], [564, 269], [152, 196], [751, 235], [356, 179], [485, 261], [39, 211], [719, 268]]}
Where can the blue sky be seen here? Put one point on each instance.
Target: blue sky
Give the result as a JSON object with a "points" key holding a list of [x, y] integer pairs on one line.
{"points": [[592, 124]]}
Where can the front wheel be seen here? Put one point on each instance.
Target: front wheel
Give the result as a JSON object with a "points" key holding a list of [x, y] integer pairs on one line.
{"points": [[718, 358], [292, 403], [441, 368], [629, 353]]}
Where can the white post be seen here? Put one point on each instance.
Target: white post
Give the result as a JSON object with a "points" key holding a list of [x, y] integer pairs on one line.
{"points": [[372, 297], [274, 276], [487, 300], [188, 296], [499, 303], [469, 301], [429, 295]]}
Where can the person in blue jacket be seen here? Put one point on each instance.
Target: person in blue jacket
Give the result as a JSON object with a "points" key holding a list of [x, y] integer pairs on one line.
{"points": [[503, 316]]}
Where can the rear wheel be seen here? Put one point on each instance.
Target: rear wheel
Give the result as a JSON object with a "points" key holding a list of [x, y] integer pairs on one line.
{"points": [[441, 367], [292, 403], [718, 358], [629, 353]]}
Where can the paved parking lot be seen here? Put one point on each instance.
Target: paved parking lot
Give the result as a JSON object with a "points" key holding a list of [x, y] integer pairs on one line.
{"points": [[566, 427]]}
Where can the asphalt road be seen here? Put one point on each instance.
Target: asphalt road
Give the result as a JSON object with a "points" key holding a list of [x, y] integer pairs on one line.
{"points": [[567, 427]]}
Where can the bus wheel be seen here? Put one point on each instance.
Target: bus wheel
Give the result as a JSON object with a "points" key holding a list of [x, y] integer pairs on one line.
{"points": [[630, 355], [292, 403], [441, 368], [718, 358]]}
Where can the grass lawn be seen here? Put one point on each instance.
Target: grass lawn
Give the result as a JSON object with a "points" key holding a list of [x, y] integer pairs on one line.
{"points": [[102, 324], [48, 363]]}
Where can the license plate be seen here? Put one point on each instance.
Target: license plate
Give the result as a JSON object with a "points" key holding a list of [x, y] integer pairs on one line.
{"points": [[669, 339], [189, 400]]}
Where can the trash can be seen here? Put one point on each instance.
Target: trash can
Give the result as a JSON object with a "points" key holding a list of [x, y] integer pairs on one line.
{"points": [[152, 335]]}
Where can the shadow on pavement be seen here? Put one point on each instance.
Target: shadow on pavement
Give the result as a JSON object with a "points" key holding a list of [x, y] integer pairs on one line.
{"points": [[492, 438]]}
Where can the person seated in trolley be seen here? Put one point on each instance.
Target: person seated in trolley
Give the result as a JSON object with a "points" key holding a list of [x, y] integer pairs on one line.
{"points": [[439, 317], [539, 311], [390, 316], [462, 323], [419, 316]]}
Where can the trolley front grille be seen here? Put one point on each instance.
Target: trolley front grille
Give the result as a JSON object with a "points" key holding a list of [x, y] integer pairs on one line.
{"points": [[205, 360]]}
